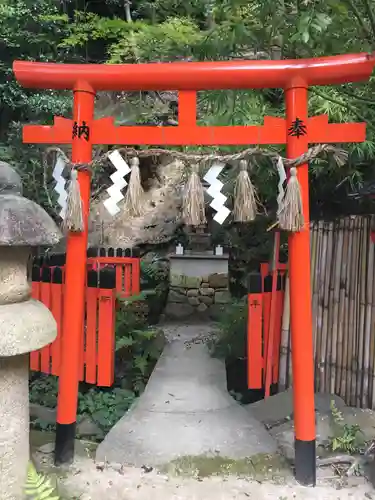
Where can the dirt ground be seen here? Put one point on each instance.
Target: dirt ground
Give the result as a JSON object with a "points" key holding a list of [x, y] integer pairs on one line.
{"points": [[87, 481]]}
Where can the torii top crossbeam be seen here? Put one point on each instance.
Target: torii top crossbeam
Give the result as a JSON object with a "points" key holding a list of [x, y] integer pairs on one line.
{"points": [[198, 75]]}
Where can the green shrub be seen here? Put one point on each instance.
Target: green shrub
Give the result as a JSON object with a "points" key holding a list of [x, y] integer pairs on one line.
{"points": [[155, 277], [231, 338], [105, 408], [138, 347]]}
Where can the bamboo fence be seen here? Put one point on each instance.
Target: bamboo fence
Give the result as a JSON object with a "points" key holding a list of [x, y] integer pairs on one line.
{"points": [[343, 307]]}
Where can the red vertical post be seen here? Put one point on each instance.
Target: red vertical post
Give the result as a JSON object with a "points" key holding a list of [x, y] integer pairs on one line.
{"points": [[300, 302], [278, 322], [91, 326], [267, 294], [254, 332], [35, 294], [136, 272], [75, 279], [106, 328], [46, 299], [57, 311]]}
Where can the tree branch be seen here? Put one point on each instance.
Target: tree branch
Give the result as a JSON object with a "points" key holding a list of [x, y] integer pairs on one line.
{"points": [[128, 14], [371, 102], [360, 19], [344, 105], [371, 16]]}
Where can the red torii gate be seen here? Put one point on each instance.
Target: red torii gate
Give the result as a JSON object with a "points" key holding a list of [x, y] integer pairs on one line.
{"points": [[297, 131]]}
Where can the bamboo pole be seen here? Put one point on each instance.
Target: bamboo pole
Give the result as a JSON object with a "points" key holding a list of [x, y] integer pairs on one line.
{"points": [[368, 317], [372, 350], [342, 311], [372, 339], [362, 310], [319, 349], [336, 303], [353, 323], [326, 303], [346, 335], [315, 257], [343, 301]]}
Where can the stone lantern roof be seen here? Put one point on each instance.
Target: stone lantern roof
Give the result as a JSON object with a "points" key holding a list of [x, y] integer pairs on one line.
{"points": [[22, 222]]}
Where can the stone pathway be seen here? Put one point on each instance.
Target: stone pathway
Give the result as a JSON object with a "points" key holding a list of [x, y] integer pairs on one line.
{"points": [[185, 410]]}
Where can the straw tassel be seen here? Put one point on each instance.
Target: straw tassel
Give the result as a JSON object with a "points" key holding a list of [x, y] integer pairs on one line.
{"points": [[73, 219], [134, 197], [290, 212], [245, 206], [193, 210]]}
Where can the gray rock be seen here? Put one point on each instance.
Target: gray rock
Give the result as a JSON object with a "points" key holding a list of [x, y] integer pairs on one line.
{"points": [[192, 282], [364, 418], [174, 296], [204, 284], [181, 281], [86, 427], [279, 407], [277, 413], [177, 281], [218, 280], [10, 181], [43, 413], [206, 300], [179, 290], [202, 308], [194, 301], [47, 448], [192, 293], [222, 297], [205, 279], [175, 310], [24, 223], [326, 430], [206, 291]]}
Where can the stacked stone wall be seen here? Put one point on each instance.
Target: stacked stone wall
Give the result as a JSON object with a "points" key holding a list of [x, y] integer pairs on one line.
{"points": [[190, 295]]}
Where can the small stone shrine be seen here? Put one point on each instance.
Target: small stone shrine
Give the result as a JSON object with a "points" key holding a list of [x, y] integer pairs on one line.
{"points": [[199, 282]]}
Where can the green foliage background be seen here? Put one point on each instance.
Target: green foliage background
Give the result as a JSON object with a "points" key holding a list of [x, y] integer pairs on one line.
{"points": [[120, 31]]}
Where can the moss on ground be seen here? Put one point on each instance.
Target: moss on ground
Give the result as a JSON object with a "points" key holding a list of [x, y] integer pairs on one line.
{"points": [[260, 467]]}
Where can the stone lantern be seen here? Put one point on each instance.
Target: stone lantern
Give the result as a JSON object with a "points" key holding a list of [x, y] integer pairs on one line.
{"points": [[25, 324]]}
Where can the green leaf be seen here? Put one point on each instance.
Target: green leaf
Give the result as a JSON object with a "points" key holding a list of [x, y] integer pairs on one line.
{"points": [[141, 363], [124, 342], [306, 36]]}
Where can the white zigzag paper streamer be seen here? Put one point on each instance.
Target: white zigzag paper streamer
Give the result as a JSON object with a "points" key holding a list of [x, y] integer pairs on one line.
{"points": [[282, 177], [60, 184], [219, 199], [115, 191]]}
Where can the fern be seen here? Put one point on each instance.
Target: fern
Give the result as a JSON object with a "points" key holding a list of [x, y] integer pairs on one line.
{"points": [[38, 486]]}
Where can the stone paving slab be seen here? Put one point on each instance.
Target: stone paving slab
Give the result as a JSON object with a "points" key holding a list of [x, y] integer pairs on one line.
{"points": [[185, 410]]}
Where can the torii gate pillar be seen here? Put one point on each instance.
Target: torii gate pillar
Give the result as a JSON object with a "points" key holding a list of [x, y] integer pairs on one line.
{"points": [[294, 76], [300, 303]]}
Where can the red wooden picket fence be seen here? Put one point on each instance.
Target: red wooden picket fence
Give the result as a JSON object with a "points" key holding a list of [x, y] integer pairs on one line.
{"points": [[259, 325], [110, 275]]}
